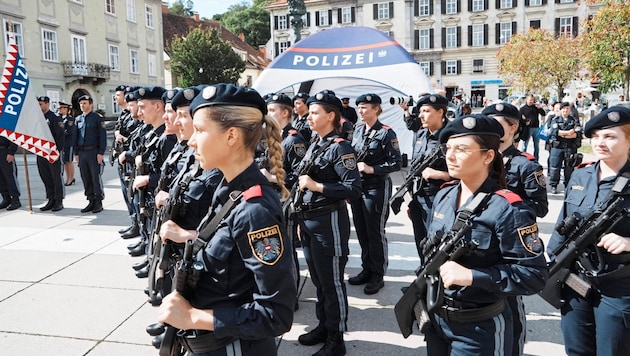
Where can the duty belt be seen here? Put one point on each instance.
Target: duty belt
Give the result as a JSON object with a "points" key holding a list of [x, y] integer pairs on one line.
{"points": [[464, 316], [199, 341], [319, 211], [87, 148]]}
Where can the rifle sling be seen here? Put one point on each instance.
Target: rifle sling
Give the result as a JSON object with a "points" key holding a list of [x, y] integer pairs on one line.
{"points": [[367, 141], [210, 228], [472, 208]]}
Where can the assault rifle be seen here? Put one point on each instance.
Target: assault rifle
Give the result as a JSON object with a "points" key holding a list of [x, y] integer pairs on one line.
{"points": [[426, 293], [580, 233], [417, 166]]}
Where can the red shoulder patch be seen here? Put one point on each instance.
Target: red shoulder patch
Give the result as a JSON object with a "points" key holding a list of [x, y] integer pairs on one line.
{"points": [[339, 140], [293, 132], [529, 156], [509, 195], [343, 120], [584, 164], [450, 182], [253, 192], [387, 127]]}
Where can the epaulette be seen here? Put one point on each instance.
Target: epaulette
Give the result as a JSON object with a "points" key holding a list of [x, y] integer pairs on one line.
{"points": [[339, 140], [529, 156], [509, 195], [584, 164], [253, 192], [387, 127], [293, 132], [450, 182]]}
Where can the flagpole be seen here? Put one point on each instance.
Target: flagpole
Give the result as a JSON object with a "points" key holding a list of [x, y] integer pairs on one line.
{"points": [[28, 183]]}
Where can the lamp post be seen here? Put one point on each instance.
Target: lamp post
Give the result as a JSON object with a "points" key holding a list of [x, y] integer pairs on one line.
{"points": [[297, 9]]}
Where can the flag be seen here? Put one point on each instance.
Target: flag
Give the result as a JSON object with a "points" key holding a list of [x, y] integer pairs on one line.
{"points": [[21, 119]]}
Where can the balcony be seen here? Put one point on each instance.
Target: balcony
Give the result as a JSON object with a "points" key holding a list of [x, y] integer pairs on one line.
{"points": [[85, 72]]}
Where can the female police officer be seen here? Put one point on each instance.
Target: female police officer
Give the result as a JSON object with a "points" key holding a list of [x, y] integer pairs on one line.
{"points": [[598, 324], [378, 155], [324, 220], [245, 293], [508, 259]]}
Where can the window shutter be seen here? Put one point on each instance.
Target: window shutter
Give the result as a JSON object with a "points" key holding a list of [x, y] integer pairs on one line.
{"points": [[575, 26], [557, 1], [557, 26], [275, 22], [497, 34], [375, 7], [470, 36], [526, 3], [330, 18], [497, 4], [308, 19], [316, 18], [352, 16], [544, 2], [431, 38], [485, 34], [459, 67], [470, 5], [431, 7], [277, 48], [339, 19], [416, 7], [459, 5], [485, 4], [514, 3], [459, 36], [416, 39], [443, 37], [443, 7], [513, 28], [430, 68], [391, 9], [443, 65]]}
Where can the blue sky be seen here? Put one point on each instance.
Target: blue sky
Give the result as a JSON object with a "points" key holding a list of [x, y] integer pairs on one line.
{"points": [[207, 8]]}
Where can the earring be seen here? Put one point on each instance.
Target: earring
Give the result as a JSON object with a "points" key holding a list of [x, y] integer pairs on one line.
{"points": [[486, 162]]}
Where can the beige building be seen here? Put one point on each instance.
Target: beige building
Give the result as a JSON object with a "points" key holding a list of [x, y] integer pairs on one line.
{"points": [[76, 47], [454, 41]]}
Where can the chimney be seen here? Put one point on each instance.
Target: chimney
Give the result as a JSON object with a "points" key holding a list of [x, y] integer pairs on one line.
{"points": [[196, 16], [263, 51], [241, 36], [164, 8]]}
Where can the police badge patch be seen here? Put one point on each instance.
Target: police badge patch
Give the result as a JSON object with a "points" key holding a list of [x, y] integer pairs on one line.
{"points": [[395, 145], [299, 149], [266, 244], [540, 179], [530, 240], [349, 161]]}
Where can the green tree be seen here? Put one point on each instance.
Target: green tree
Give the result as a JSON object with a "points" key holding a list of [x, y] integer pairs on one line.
{"points": [[251, 21], [538, 60], [202, 57], [181, 8], [606, 42]]}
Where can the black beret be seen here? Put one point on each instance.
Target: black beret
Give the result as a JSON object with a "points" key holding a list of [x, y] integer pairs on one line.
{"points": [[279, 99], [133, 88], [325, 98], [131, 96], [474, 124], [84, 97], [186, 96], [502, 109], [43, 98], [432, 100], [150, 93], [63, 103], [565, 104], [168, 95], [611, 117], [345, 98], [303, 96], [228, 95], [121, 87], [368, 99]]}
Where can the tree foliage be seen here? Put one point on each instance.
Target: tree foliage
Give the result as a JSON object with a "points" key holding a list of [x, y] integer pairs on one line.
{"points": [[537, 60], [202, 57], [251, 21], [182, 8], [606, 42]]}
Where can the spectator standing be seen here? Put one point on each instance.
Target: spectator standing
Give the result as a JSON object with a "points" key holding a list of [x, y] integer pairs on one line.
{"points": [[531, 111]]}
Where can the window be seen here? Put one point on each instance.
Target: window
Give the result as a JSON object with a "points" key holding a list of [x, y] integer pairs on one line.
{"points": [[79, 55], [477, 65], [283, 23], [424, 38], [134, 66], [451, 7], [148, 11], [506, 32], [566, 26], [451, 67], [566, 1], [478, 5], [49, 45], [451, 37], [283, 46], [152, 65], [506, 4], [426, 68], [17, 35], [383, 11], [115, 108], [324, 20], [535, 3], [534, 24], [114, 58], [131, 10], [346, 15], [424, 7], [110, 7], [477, 35]]}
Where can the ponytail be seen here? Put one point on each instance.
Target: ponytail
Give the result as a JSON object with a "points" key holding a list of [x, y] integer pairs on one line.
{"points": [[274, 144]]}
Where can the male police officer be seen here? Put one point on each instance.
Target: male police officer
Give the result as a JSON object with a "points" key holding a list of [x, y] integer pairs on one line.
{"points": [[51, 172], [8, 175], [565, 138]]}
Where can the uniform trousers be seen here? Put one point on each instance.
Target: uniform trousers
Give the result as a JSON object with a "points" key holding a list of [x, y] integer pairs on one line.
{"points": [[599, 325], [419, 210], [91, 173], [325, 247], [8, 176], [121, 174], [51, 177], [518, 323], [557, 158], [370, 213], [239, 347]]}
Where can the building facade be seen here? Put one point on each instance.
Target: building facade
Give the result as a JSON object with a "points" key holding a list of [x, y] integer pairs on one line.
{"points": [[454, 41], [76, 47]]}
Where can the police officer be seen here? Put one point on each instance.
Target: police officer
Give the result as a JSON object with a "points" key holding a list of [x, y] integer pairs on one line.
{"points": [[51, 172], [300, 121], [245, 294], [378, 155], [348, 112], [9, 187], [597, 325], [565, 138], [324, 220], [70, 130], [508, 259], [524, 176], [431, 118]]}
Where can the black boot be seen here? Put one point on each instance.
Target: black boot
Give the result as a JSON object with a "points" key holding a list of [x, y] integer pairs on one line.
{"points": [[334, 345], [89, 207], [98, 206], [122, 231], [374, 285], [134, 232], [133, 246], [140, 265], [361, 278], [58, 205], [6, 201], [143, 273], [139, 251], [314, 337], [48, 205], [15, 203]]}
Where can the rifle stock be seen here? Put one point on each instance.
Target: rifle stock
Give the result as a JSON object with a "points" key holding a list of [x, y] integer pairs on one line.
{"points": [[417, 166]]}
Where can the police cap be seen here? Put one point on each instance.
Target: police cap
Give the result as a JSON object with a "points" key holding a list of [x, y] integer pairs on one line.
{"points": [[283, 99], [474, 124], [228, 95], [186, 96], [325, 98], [43, 98], [85, 97], [611, 117], [565, 104], [168, 95], [432, 100], [303, 96], [368, 99], [121, 87], [502, 109], [64, 104], [150, 93]]}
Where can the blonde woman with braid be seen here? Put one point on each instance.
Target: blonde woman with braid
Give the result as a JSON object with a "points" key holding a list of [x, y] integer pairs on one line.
{"points": [[245, 293]]}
